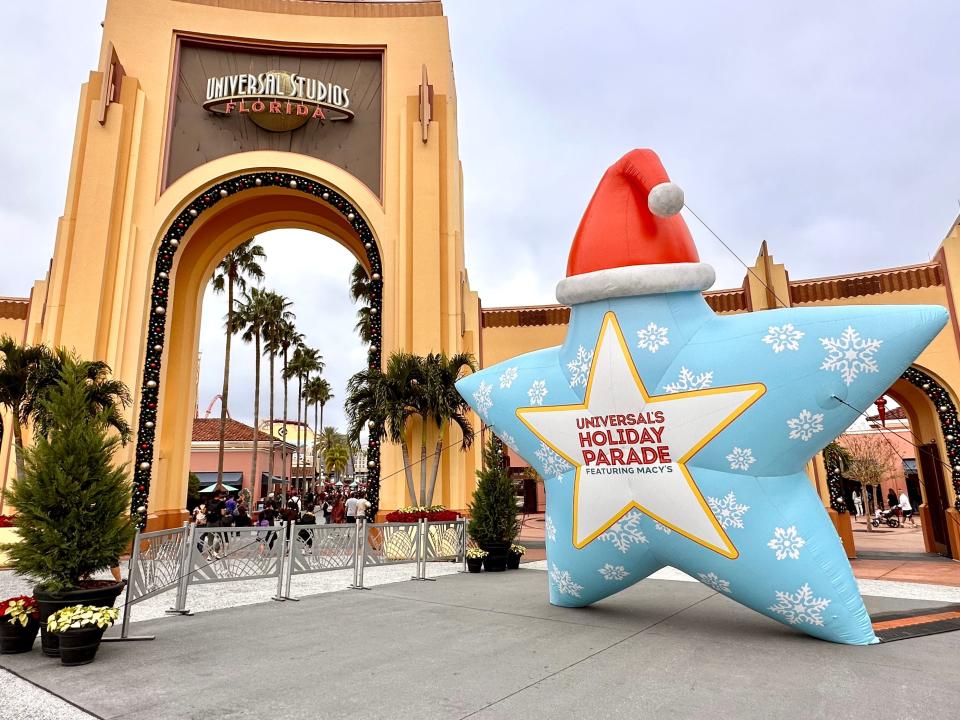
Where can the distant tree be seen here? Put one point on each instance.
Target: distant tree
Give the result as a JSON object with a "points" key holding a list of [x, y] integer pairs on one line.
{"points": [[237, 266], [872, 461], [275, 322], [193, 491]]}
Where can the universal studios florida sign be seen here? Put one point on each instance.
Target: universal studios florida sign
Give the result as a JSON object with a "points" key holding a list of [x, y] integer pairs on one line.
{"points": [[277, 101]]}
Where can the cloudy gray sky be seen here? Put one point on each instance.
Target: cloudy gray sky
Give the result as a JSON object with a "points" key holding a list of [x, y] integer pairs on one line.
{"points": [[828, 129]]}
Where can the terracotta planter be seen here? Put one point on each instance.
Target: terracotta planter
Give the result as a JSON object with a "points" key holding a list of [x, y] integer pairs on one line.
{"points": [[49, 603], [17, 638], [78, 646]]}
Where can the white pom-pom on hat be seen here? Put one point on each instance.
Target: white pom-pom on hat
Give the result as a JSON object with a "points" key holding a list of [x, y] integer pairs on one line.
{"points": [[665, 199]]}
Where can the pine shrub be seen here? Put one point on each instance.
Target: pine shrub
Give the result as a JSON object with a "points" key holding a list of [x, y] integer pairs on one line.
{"points": [[493, 508], [72, 503]]}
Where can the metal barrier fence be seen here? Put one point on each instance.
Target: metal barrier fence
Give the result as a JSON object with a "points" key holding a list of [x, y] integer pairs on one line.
{"points": [[188, 555]]}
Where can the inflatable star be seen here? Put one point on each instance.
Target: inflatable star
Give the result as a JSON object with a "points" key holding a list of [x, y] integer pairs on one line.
{"points": [[668, 435]]}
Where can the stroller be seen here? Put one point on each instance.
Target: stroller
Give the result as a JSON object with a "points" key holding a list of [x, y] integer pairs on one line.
{"points": [[885, 516]]}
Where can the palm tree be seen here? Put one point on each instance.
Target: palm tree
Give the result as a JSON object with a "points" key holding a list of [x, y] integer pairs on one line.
{"points": [[106, 395], [317, 392], [289, 337], [277, 316], [443, 406], [385, 401], [360, 289], [362, 292], [305, 361], [250, 316], [336, 458], [364, 326], [239, 264], [19, 375]]}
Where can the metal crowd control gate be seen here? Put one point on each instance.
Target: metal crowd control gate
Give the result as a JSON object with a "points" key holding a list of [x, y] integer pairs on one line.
{"points": [[168, 559]]}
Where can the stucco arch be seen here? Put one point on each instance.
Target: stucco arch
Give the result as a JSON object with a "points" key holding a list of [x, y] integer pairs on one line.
{"points": [[217, 218]]}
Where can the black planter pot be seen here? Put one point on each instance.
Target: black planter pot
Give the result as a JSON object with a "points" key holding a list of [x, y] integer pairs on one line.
{"points": [[49, 603], [496, 560], [513, 561], [78, 646], [474, 564], [17, 638]]}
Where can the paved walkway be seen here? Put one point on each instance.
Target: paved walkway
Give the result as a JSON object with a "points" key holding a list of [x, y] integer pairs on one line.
{"points": [[489, 646]]}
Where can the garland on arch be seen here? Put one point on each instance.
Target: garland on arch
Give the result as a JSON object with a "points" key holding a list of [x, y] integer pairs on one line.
{"points": [[159, 298]]}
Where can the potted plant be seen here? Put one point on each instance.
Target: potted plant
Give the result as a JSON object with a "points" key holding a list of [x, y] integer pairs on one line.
{"points": [[79, 628], [513, 557], [19, 623], [493, 509], [475, 558], [72, 501]]}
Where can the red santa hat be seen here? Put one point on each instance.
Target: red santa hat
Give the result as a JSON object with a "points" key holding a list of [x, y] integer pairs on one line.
{"points": [[632, 240]]}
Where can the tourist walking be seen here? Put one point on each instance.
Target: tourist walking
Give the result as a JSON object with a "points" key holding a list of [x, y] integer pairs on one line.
{"points": [[351, 509], [907, 508], [363, 505], [857, 504]]}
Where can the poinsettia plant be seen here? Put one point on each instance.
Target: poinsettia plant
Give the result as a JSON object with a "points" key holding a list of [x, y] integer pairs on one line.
{"points": [[20, 609], [7, 521], [81, 616], [413, 513]]}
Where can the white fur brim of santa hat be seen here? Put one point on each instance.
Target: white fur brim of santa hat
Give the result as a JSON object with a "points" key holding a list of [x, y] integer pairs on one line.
{"points": [[635, 280]]}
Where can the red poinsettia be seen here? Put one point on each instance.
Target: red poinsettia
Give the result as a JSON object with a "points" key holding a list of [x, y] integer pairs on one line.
{"points": [[19, 609], [413, 514], [7, 520]]}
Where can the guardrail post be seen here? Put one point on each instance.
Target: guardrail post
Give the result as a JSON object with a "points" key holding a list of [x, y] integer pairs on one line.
{"points": [[280, 560], [289, 563], [363, 553], [357, 559], [463, 543], [131, 574], [186, 548]]}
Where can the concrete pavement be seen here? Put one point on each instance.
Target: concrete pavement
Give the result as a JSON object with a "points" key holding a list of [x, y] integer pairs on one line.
{"points": [[489, 646]]}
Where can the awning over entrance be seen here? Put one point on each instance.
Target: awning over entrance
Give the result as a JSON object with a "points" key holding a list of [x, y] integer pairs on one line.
{"points": [[208, 481]]}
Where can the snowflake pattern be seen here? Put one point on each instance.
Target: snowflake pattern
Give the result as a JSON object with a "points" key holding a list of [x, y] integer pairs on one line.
{"points": [[783, 337], [563, 582], [625, 532], [712, 580], [800, 607], [507, 377], [553, 465], [662, 528], [509, 441], [687, 380], [805, 426], [549, 528], [741, 458], [579, 367], [613, 572], [482, 398], [537, 392], [728, 511], [850, 354], [652, 337], [786, 543]]}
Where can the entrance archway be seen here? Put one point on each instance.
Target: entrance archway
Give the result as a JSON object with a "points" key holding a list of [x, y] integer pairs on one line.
{"points": [[934, 431], [208, 226]]}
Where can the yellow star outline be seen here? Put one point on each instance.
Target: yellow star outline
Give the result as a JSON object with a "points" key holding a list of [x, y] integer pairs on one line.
{"points": [[757, 390]]}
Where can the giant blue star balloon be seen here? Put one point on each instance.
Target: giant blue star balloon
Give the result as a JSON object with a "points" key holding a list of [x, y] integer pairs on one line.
{"points": [[668, 435]]}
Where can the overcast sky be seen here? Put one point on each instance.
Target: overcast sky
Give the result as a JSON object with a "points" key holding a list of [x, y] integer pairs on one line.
{"points": [[832, 130]]}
